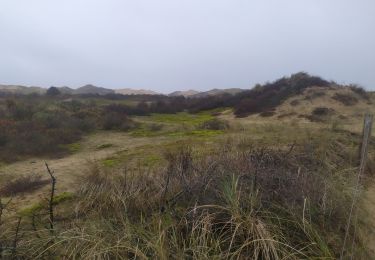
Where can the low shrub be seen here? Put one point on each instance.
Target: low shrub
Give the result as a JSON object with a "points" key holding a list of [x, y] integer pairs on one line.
{"points": [[155, 127], [320, 114], [360, 91], [345, 99], [115, 121], [215, 124], [286, 115], [267, 113], [322, 111], [295, 102], [23, 184], [315, 94]]}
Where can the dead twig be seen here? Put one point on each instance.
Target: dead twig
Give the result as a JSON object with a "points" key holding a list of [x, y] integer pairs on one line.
{"points": [[50, 206], [14, 249]]}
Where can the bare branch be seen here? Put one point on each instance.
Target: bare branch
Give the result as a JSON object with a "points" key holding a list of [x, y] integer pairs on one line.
{"points": [[53, 187]]}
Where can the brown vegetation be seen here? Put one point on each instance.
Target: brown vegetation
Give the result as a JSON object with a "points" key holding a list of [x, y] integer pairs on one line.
{"points": [[266, 97], [215, 124], [241, 201], [345, 99], [22, 184]]}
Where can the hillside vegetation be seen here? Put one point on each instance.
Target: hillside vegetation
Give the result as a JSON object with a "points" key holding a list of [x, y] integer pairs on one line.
{"points": [[262, 174]]}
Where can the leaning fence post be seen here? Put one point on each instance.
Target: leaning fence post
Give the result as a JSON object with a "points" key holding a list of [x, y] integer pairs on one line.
{"points": [[367, 125]]}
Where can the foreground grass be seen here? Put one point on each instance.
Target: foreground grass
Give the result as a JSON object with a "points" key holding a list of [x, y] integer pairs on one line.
{"points": [[241, 198]]}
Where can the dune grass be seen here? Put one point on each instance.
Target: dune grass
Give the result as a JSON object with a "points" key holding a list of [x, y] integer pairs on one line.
{"points": [[241, 199], [265, 190]]}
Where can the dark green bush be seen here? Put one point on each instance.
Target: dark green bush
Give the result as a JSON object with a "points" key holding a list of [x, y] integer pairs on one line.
{"points": [[53, 91], [266, 97]]}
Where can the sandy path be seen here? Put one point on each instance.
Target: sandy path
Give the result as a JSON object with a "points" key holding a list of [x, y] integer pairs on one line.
{"points": [[68, 168]]}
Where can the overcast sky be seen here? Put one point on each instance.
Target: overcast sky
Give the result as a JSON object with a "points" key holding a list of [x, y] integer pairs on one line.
{"points": [[167, 45]]}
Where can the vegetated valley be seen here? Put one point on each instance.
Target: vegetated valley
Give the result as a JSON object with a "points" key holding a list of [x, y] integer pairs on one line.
{"points": [[265, 173]]}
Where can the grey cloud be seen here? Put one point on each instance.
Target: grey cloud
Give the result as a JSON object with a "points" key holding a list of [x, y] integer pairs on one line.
{"points": [[170, 45]]}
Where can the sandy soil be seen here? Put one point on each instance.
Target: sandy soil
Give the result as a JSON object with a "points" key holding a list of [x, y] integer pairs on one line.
{"points": [[68, 168]]}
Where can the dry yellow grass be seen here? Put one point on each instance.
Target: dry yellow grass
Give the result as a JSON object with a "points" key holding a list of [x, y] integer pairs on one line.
{"points": [[347, 117]]}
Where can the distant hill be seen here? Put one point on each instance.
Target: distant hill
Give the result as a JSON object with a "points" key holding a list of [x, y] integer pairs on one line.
{"points": [[186, 93], [129, 91], [87, 89], [91, 89], [66, 90], [17, 89], [215, 91]]}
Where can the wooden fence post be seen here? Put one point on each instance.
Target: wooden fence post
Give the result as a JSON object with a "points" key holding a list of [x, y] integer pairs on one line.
{"points": [[367, 125]]}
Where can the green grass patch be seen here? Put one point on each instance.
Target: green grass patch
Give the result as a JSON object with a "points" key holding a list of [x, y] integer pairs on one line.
{"points": [[72, 148], [35, 208], [104, 146], [148, 130], [29, 211], [215, 110], [145, 132], [147, 155], [182, 118], [198, 133], [151, 155], [152, 160], [110, 162], [63, 197]]}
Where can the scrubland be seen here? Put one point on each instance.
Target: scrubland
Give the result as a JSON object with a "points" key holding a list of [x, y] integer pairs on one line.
{"points": [[225, 181]]}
